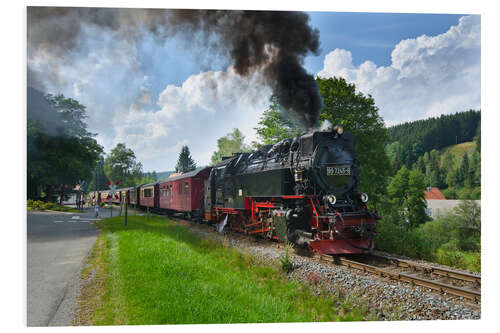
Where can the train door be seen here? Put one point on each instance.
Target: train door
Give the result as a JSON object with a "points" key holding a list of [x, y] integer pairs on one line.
{"points": [[156, 199], [207, 202]]}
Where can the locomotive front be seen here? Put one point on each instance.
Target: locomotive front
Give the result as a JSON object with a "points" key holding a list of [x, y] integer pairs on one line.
{"points": [[302, 190], [326, 173]]}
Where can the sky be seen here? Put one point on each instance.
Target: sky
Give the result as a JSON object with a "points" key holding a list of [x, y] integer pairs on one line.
{"points": [[157, 96]]}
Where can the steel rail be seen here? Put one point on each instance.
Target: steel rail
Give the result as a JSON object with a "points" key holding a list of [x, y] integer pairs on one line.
{"points": [[426, 268], [415, 280]]}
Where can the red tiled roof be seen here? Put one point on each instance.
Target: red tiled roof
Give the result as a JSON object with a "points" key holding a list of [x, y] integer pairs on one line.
{"points": [[433, 194]]}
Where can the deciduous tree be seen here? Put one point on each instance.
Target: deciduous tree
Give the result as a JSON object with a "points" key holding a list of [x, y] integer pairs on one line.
{"points": [[406, 192], [121, 165], [60, 150], [275, 125], [359, 115], [229, 144]]}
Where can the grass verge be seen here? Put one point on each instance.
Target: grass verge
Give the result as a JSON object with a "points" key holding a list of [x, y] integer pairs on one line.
{"points": [[158, 272]]}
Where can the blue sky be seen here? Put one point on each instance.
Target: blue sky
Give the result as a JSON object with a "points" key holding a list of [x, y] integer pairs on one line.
{"points": [[156, 97], [372, 36], [369, 36]]}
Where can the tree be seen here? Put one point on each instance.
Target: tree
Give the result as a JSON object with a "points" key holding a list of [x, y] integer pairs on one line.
{"points": [[468, 213], [99, 180], [275, 125], [476, 168], [60, 150], [185, 163], [464, 171], [394, 153], [416, 198], [121, 165], [359, 115], [477, 138], [419, 165], [228, 145], [452, 178], [406, 191]]}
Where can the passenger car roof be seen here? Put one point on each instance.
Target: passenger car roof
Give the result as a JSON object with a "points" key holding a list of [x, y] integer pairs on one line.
{"points": [[184, 175]]}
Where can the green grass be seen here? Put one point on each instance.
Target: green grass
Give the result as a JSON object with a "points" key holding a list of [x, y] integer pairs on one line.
{"points": [[460, 149], [459, 259], [157, 272]]}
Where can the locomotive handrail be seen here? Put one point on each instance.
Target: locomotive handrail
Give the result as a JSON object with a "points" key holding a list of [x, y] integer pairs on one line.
{"points": [[315, 212]]}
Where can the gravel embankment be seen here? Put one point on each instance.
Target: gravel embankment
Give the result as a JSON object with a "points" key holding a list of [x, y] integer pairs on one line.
{"points": [[387, 299]]}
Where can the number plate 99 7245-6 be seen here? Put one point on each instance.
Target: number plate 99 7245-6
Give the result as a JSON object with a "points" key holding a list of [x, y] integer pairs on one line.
{"points": [[338, 171]]}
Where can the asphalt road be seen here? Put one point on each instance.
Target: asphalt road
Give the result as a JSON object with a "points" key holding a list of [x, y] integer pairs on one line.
{"points": [[58, 244]]}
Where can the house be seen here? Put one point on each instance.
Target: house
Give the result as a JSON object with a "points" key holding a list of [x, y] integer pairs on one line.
{"points": [[433, 193], [437, 204]]}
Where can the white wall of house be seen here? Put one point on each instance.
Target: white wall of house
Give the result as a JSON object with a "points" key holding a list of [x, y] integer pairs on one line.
{"points": [[436, 208]]}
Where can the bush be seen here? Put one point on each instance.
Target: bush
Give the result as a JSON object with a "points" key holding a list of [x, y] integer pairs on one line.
{"points": [[48, 206], [29, 203], [438, 231], [286, 263], [395, 238], [37, 204]]}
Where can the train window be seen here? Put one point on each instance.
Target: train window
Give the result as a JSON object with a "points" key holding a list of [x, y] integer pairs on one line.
{"points": [[180, 188], [186, 188]]}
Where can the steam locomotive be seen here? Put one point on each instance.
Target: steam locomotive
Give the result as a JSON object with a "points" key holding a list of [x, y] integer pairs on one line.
{"points": [[301, 190]]}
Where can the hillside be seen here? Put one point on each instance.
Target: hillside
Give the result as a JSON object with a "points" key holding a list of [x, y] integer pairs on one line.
{"points": [[460, 149], [410, 140]]}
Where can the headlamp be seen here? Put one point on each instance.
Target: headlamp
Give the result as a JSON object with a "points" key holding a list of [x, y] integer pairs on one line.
{"points": [[331, 199], [339, 129], [364, 197]]}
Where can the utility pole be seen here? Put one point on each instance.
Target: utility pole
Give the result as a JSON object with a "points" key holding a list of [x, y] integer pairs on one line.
{"points": [[126, 205], [96, 184]]}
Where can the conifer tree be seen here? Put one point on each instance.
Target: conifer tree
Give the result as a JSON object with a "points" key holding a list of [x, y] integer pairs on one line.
{"points": [[185, 163]]}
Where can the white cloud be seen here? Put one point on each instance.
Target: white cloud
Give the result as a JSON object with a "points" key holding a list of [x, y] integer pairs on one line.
{"points": [[204, 108], [428, 76]]}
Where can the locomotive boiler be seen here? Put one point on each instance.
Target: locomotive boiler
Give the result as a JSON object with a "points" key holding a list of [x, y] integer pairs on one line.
{"points": [[302, 190]]}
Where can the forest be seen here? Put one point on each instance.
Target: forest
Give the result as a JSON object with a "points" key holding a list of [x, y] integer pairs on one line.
{"points": [[447, 150]]}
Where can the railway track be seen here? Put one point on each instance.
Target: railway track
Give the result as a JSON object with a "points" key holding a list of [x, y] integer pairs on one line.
{"points": [[443, 280]]}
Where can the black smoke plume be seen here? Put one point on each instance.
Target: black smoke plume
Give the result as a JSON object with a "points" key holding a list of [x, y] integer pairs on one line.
{"points": [[271, 42]]}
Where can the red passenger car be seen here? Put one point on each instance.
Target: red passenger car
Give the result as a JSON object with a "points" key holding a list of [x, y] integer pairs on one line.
{"points": [[148, 195], [184, 193]]}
